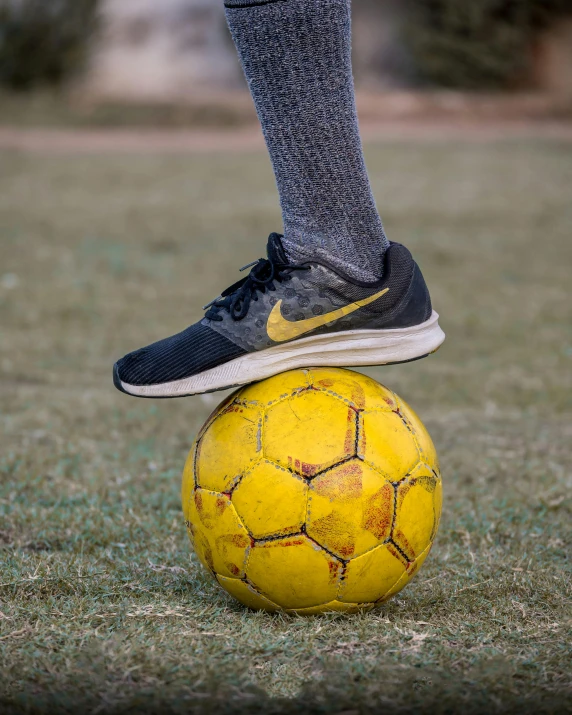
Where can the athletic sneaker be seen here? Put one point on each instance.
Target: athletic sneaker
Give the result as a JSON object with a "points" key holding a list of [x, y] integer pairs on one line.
{"points": [[284, 316]]}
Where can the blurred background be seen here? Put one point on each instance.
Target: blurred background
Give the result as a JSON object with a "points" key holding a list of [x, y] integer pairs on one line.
{"points": [[173, 63], [133, 185]]}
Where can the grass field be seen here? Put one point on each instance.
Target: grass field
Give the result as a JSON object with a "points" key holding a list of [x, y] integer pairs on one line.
{"points": [[102, 607]]}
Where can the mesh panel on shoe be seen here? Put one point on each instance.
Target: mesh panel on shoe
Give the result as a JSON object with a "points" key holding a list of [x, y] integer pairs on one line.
{"points": [[196, 349], [399, 267]]}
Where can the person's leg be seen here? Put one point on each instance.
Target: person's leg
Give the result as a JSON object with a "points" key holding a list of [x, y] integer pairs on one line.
{"points": [[332, 290], [296, 56]]}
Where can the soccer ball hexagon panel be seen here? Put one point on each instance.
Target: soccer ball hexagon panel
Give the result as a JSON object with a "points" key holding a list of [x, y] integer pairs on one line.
{"points": [[313, 491]]}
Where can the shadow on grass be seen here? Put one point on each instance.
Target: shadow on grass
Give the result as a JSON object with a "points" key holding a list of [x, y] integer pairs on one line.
{"points": [[491, 687]]}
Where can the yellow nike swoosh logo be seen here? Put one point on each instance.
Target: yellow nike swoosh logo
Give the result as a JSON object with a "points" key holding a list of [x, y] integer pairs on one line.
{"points": [[279, 329]]}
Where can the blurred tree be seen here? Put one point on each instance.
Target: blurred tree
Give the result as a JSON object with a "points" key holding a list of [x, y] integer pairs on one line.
{"points": [[477, 45], [380, 57], [44, 42]]}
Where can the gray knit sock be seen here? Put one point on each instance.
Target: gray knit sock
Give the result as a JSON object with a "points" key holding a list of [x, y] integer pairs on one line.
{"points": [[296, 55]]}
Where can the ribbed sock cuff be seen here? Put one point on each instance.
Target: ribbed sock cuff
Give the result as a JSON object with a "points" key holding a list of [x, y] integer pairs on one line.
{"points": [[248, 3]]}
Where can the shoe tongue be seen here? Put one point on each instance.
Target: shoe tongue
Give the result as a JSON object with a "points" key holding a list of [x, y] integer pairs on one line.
{"points": [[275, 249]]}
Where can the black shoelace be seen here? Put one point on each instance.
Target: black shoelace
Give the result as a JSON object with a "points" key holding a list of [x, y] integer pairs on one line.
{"points": [[236, 299]]}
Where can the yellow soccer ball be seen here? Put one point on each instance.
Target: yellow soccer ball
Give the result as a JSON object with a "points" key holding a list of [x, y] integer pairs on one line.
{"points": [[313, 491]]}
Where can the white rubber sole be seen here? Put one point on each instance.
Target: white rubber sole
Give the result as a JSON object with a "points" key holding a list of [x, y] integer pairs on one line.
{"points": [[351, 348]]}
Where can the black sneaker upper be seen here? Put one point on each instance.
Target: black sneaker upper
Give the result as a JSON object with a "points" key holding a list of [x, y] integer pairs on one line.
{"points": [[278, 302], [196, 349]]}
